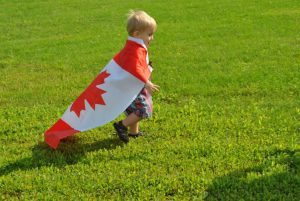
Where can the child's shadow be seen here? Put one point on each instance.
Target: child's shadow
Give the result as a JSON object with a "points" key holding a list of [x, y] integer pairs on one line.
{"points": [[277, 186], [69, 152]]}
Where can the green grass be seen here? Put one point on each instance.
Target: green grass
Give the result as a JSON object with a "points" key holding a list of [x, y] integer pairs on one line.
{"points": [[226, 122]]}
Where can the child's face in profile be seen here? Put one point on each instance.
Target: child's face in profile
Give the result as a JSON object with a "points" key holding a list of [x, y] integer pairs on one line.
{"points": [[146, 36]]}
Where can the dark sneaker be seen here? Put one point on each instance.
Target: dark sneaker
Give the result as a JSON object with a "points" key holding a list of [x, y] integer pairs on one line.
{"points": [[135, 134], [121, 131]]}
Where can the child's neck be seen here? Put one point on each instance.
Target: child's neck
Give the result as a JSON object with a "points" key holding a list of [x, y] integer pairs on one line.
{"points": [[137, 40]]}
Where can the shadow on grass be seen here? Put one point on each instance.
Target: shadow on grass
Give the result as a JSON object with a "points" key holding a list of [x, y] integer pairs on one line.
{"points": [[70, 151], [259, 183]]}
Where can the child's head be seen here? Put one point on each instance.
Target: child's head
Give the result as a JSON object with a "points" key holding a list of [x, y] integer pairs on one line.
{"points": [[141, 25]]}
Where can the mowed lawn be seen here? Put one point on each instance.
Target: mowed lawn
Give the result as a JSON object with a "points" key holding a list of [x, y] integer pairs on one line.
{"points": [[225, 125]]}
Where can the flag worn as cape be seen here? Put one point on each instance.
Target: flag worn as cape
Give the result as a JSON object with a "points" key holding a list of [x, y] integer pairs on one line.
{"points": [[112, 91]]}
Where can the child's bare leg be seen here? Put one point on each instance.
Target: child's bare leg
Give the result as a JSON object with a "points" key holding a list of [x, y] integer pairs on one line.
{"points": [[134, 128], [131, 120]]}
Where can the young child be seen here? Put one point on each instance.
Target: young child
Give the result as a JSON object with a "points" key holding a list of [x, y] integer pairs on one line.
{"points": [[140, 28], [124, 79]]}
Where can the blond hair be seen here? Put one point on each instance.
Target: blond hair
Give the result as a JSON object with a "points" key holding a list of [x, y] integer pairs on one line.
{"points": [[139, 21]]}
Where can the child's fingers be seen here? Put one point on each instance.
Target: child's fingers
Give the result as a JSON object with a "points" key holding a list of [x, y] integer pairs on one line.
{"points": [[155, 88]]}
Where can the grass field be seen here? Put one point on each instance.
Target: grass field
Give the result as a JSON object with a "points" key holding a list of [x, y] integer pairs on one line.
{"points": [[226, 122]]}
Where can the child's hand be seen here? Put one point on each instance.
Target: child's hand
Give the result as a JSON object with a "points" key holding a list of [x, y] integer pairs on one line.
{"points": [[151, 87]]}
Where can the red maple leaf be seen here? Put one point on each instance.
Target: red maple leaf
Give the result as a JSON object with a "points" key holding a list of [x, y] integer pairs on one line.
{"points": [[92, 94]]}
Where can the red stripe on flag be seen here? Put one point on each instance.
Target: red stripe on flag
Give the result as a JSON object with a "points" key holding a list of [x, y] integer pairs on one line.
{"points": [[57, 132], [132, 58]]}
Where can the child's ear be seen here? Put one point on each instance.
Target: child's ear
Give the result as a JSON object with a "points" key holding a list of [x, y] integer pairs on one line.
{"points": [[135, 33]]}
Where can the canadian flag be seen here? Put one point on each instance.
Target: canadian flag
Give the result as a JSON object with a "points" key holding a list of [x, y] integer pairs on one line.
{"points": [[109, 94]]}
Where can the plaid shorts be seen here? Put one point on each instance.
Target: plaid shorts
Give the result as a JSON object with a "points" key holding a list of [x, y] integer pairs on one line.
{"points": [[141, 106]]}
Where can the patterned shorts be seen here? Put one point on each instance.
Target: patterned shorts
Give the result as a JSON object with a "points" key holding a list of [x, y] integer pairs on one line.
{"points": [[141, 106]]}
